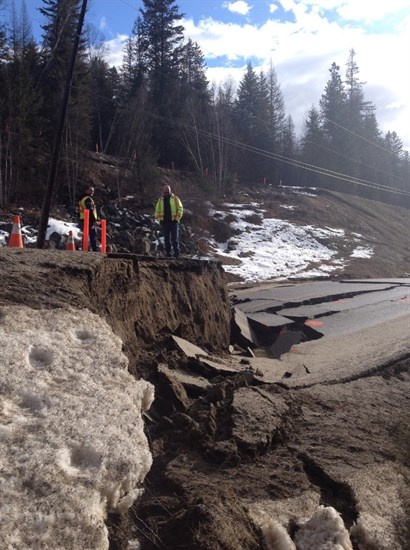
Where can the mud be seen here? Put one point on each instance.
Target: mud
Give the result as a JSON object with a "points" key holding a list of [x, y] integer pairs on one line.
{"points": [[230, 451]]}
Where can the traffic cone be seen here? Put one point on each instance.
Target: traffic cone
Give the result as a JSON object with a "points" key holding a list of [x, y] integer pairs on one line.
{"points": [[16, 238], [70, 242]]}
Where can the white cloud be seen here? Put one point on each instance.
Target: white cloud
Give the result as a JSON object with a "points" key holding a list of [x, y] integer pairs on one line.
{"points": [[115, 49], [352, 10], [102, 24], [241, 7], [303, 50], [370, 10]]}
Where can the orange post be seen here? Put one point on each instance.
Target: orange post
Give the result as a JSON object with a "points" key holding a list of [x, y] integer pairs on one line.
{"points": [[86, 230], [70, 242], [103, 236], [16, 238]]}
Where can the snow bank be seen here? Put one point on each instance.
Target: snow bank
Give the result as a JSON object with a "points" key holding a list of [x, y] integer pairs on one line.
{"points": [[72, 445], [325, 530], [276, 537]]}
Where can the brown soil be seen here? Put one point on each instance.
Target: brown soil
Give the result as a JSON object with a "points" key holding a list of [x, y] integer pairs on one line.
{"points": [[222, 443]]}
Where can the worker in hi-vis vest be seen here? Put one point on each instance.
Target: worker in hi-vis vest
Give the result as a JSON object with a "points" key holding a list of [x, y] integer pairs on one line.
{"points": [[168, 211], [87, 203]]}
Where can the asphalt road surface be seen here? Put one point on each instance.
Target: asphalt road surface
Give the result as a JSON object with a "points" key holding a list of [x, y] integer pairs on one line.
{"points": [[328, 331]]}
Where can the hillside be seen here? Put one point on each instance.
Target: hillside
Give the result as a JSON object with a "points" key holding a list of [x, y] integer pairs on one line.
{"points": [[382, 230], [283, 233], [234, 446]]}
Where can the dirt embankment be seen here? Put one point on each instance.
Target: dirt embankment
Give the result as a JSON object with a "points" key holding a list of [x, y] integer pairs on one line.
{"points": [[145, 301]]}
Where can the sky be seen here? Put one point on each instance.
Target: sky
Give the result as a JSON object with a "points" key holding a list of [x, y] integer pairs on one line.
{"points": [[300, 38], [272, 250]]}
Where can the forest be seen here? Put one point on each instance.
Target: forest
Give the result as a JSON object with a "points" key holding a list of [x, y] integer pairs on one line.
{"points": [[159, 110]]}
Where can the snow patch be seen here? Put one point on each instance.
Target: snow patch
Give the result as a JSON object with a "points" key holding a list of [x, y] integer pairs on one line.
{"points": [[72, 443]]}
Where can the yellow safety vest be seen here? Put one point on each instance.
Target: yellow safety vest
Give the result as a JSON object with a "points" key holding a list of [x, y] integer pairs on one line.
{"points": [[83, 207], [176, 208]]}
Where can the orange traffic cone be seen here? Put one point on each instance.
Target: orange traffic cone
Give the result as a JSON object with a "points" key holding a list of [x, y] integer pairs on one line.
{"points": [[70, 242], [16, 238]]}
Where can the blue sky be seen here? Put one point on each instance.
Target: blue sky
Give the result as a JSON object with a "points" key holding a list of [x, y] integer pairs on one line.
{"points": [[301, 38]]}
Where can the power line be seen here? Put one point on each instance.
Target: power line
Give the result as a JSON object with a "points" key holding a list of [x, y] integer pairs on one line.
{"points": [[276, 156], [363, 138], [287, 160], [338, 153]]}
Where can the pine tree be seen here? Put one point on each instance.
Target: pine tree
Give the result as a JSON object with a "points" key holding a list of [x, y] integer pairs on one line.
{"points": [[394, 160], [195, 107], [162, 46], [289, 151], [134, 68], [333, 114], [251, 117], [59, 31], [276, 117], [103, 94], [222, 154], [313, 148], [371, 165], [133, 131], [22, 151], [356, 108]]}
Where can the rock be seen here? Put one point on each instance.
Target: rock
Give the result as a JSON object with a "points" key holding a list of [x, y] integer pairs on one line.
{"points": [[257, 418]]}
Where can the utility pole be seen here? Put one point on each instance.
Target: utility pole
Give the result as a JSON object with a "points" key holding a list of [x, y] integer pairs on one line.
{"points": [[41, 237]]}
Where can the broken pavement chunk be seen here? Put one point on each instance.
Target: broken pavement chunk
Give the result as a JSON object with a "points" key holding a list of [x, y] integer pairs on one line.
{"points": [[245, 336], [190, 350], [285, 341]]}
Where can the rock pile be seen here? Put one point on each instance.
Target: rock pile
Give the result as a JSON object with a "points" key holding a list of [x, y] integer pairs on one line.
{"points": [[127, 231]]}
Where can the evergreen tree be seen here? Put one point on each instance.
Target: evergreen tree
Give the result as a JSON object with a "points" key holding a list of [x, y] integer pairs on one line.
{"points": [[195, 106], [289, 150], [223, 154], [162, 46], [356, 109], [59, 31], [333, 114], [133, 69], [251, 117], [22, 146], [371, 166], [394, 160], [133, 133], [103, 95], [276, 117], [313, 148]]}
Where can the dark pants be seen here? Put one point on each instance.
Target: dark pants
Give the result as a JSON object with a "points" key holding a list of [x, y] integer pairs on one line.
{"points": [[171, 236], [92, 232]]}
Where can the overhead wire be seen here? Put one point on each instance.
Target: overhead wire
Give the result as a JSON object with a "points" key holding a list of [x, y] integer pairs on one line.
{"points": [[290, 161], [282, 158], [276, 156], [350, 159], [331, 121], [363, 138]]}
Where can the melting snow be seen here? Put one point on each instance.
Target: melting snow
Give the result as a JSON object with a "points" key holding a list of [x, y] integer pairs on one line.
{"points": [[271, 249], [362, 252], [277, 249]]}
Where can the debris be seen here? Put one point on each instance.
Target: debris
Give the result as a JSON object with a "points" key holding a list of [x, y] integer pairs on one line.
{"points": [[190, 350]]}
